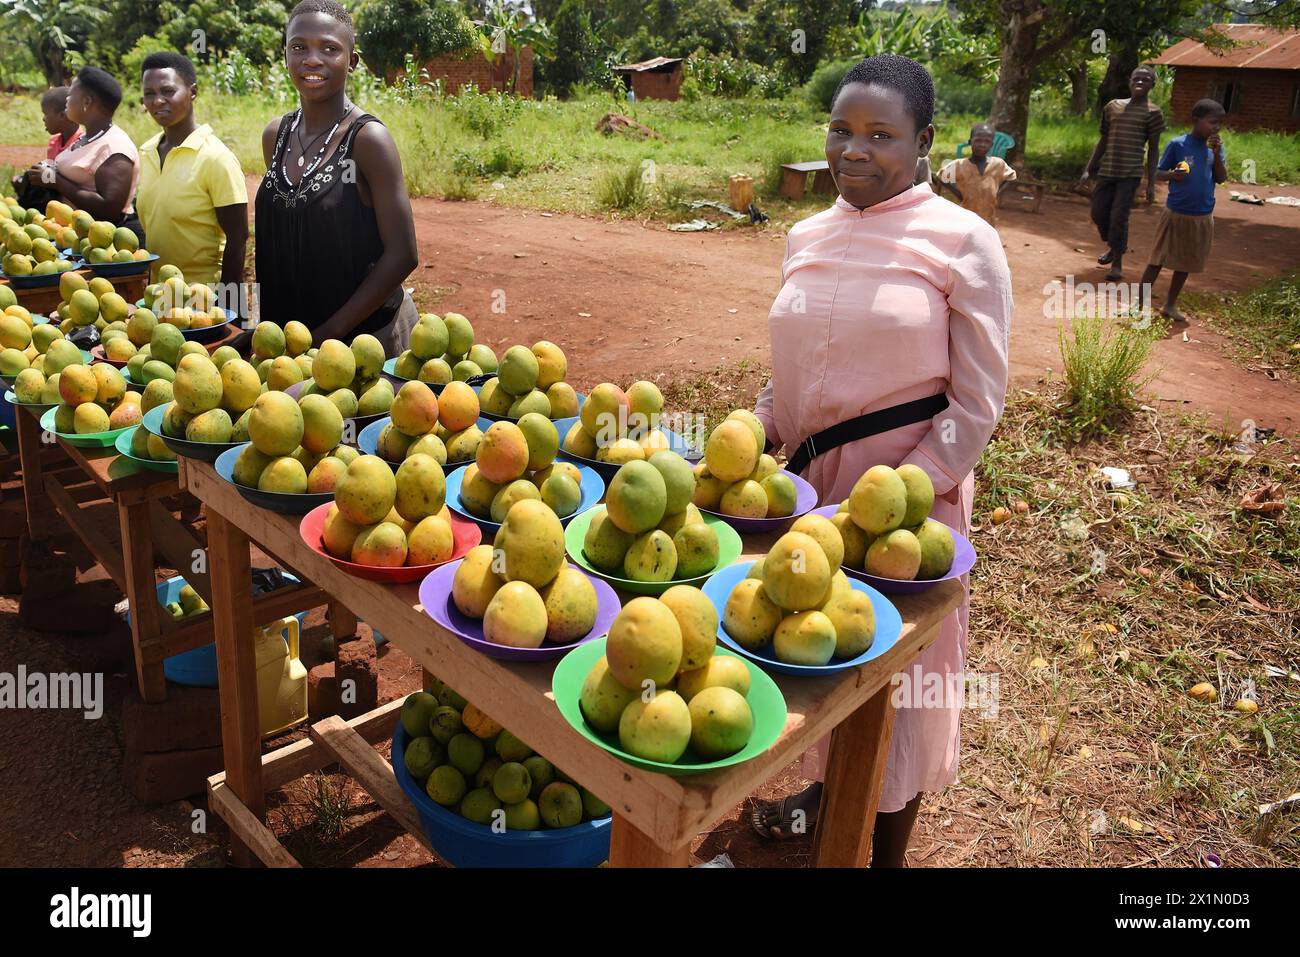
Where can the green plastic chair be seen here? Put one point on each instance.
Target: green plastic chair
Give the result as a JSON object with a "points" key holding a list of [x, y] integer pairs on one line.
{"points": [[1002, 143]]}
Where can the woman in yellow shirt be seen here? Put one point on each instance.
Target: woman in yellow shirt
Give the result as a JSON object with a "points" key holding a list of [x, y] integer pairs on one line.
{"points": [[192, 199]]}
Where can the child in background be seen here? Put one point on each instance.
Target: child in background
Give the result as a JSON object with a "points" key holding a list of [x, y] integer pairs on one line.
{"points": [[1192, 164], [63, 133], [979, 179]]}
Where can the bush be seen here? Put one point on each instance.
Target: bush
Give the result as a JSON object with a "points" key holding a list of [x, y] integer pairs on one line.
{"points": [[956, 95], [388, 31], [821, 87], [486, 114], [622, 189], [1103, 360], [578, 56], [708, 75]]}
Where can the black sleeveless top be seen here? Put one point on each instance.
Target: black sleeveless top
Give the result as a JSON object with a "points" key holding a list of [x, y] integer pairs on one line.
{"points": [[316, 241]]}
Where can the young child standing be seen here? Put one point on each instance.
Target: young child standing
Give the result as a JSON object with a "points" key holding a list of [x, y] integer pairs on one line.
{"points": [[63, 133], [891, 299], [1192, 164], [1127, 127], [979, 179]]}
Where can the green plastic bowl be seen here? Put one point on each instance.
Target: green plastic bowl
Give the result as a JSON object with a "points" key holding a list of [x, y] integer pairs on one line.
{"points": [[123, 446], [765, 702], [38, 407], [729, 549], [90, 440]]}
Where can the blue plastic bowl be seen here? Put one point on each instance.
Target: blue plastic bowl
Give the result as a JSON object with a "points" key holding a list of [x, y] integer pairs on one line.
{"points": [[368, 438], [463, 843]]}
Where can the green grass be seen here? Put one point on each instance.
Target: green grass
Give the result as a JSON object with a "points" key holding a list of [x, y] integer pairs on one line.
{"points": [[1103, 360], [1264, 322], [548, 155]]}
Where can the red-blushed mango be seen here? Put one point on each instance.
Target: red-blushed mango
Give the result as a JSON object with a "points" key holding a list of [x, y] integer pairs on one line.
{"points": [[603, 697], [552, 366], [570, 606], [415, 409], [77, 384], [516, 616], [366, 491], [698, 621], [126, 413], [325, 475], [731, 452], [657, 730], [644, 644], [275, 426], [708, 488], [503, 454], [604, 414], [744, 499], [430, 542], [750, 616], [381, 546], [458, 406], [637, 497], [878, 501], [804, 638], [721, 722], [475, 582], [531, 541], [721, 671], [421, 488]]}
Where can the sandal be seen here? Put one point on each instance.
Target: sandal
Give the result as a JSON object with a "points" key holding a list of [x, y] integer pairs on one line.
{"points": [[774, 820], [1105, 258]]}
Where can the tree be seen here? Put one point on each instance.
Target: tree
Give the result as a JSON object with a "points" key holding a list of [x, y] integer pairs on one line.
{"points": [[51, 28], [253, 27], [796, 33], [577, 56], [388, 30], [507, 30]]}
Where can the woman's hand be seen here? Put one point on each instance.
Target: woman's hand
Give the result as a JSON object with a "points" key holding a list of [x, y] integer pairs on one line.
{"points": [[38, 176]]}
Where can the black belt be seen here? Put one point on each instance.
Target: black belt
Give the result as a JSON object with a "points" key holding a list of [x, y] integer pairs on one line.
{"points": [[873, 423]]}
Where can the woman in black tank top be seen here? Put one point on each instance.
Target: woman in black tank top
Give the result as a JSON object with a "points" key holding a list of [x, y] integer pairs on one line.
{"points": [[335, 236]]}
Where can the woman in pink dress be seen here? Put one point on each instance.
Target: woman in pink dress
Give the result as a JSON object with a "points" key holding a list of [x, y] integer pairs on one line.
{"points": [[893, 299]]}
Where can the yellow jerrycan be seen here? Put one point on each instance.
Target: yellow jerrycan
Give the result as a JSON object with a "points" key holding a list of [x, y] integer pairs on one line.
{"points": [[281, 677]]}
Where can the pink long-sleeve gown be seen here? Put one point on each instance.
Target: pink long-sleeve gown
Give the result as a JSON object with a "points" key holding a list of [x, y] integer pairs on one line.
{"points": [[902, 300]]}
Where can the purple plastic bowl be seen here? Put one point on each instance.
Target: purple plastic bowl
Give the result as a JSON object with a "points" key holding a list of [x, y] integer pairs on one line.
{"points": [[435, 597], [805, 502], [963, 560]]}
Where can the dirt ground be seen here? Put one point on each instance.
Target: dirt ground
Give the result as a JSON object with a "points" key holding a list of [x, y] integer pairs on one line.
{"points": [[625, 300]]}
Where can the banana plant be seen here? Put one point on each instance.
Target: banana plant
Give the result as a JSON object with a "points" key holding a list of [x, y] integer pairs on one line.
{"points": [[507, 28], [52, 28]]}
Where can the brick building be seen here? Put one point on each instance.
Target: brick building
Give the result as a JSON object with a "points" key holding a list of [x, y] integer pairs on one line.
{"points": [[1258, 82], [657, 79], [473, 68]]}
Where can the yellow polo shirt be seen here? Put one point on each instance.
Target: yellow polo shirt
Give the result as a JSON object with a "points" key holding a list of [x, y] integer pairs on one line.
{"points": [[177, 202]]}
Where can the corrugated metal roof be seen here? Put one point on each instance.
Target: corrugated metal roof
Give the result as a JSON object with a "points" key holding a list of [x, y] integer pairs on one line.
{"points": [[1264, 48], [657, 63]]}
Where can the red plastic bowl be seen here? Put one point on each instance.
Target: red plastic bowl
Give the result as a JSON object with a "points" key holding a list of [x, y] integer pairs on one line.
{"points": [[465, 535]]}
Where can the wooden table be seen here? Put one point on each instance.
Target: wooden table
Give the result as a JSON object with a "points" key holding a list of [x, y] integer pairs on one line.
{"points": [[45, 301], [655, 815], [794, 178], [91, 477]]}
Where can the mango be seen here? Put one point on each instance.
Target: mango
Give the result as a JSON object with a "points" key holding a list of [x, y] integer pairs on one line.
{"points": [[603, 698], [708, 488], [853, 539], [240, 386], [276, 424], [571, 605], [118, 348], [126, 414], [782, 495], [606, 545], [338, 536], [367, 491], [653, 442], [920, 494], [249, 465], [14, 333], [720, 671], [651, 557], [475, 583], [463, 446], [560, 805], [50, 393], [637, 497], [657, 730], [878, 501], [430, 542], [672, 524], [805, 638], [83, 307], [562, 494], [563, 400], [65, 419], [213, 425], [435, 372], [429, 337], [731, 451], [421, 488], [415, 409], [796, 572], [697, 549], [854, 619], [605, 413], [750, 616], [431, 446], [110, 387], [824, 533], [510, 493], [59, 355], [644, 643], [552, 366], [78, 385], [157, 369], [28, 386], [531, 541], [503, 453], [477, 493], [380, 546], [165, 343], [392, 444], [541, 438], [325, 474], [464, 370], [375, 400], [645, 404], [198, 385], [937, 549], [895, 554], [745, 499], [579, 442], [12, 362], [174, 421], [698, 621], [516, 616], [458, 407], [284, 474], [322, 424], [284, 372], [268, 340], [518, 370], [492, 398], [89, 418], [460, 334], [721, 722]]}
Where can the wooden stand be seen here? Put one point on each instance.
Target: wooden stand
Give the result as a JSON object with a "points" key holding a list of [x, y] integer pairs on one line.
{"points": [[794, 179], [655, 816], [740, 192], [102, 478], [45, 300]]}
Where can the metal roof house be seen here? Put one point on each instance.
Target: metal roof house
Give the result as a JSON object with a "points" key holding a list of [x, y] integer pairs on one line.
{"points": [[657, 79]]}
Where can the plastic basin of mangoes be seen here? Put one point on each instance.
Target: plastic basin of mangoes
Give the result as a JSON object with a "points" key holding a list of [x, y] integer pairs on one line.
{"points": [[462, 843]]}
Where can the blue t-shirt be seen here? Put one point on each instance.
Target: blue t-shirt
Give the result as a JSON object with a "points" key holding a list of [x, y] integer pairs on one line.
{"points": [[1194, 196]]}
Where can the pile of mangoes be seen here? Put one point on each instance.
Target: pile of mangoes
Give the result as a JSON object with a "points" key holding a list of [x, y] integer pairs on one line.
{"points": [[736, 477], [886, 529], [473, 766], [522, 587], [618, 427], [515, 463], [422, 423], [349, 376], [648, 529], [798, 600], [94, 399], [32, 241], [184, 305], [531, 381], [660, 686]]}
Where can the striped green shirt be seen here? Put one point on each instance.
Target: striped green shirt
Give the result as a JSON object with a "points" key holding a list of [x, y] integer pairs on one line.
{"points": [[1126, 126]]}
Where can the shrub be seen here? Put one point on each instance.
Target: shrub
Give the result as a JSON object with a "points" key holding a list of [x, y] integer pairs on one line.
{"points": [[1103, 360], [708, 75], [622, 189], [390, 30], [821, 87], [486, 114]]}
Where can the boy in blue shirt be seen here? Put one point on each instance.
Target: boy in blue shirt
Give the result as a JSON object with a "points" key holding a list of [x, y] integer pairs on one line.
{"points": [[1192, 164]]}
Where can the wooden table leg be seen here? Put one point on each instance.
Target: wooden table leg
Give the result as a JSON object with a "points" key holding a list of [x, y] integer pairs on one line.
{"points": [[855, 775], [343, 624], [793, 184], [29, 453], [232, 623], [628, 847], [141, 592]]}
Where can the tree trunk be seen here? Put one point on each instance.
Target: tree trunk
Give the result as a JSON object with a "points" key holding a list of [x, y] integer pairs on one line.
{"points": [[1010, 112], [1123, 60], [1079, 89]]}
